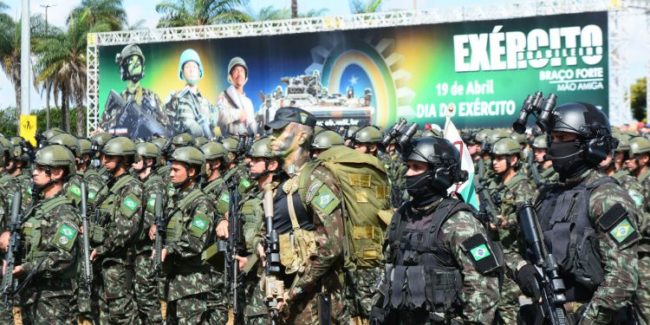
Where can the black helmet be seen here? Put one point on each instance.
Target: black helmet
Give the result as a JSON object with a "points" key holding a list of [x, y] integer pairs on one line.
{"points": [[591, 126], [443, 159]]}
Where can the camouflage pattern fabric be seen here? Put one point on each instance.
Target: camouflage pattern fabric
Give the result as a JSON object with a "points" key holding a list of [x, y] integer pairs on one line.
{"points": [[323, 270], [549, 175], [147, 297], [396, 169], [185, 109], [52, 263], [361, 289], [121, 217], [620, 263], [642, 297], [479, 293], [195, 288], [145, 98]]}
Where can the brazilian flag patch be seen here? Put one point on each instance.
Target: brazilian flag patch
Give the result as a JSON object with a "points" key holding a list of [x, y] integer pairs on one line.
{"points": [[152, 201], [325, 200], [480, 252], [91, 195], [74, 189], [224, 197], [199, 225], [622, 231], [65, 237], [130, 203]]}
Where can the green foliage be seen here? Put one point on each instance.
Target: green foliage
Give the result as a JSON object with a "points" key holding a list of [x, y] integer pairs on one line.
{"points": [[178, 13], [638, 99], [9, 124]]}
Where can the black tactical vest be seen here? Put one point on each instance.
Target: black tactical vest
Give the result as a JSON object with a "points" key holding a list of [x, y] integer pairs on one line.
{"points": [[571, 237], [422, 272]]}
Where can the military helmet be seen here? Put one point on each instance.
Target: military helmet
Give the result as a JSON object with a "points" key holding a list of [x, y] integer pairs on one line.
{"points": [[159, 142], [19, 149], [186, 56], [506, 146], [639, 145], [540, 142], [519, 137], [6, 146], [120, 146], [66, 140], [100, 139], [52, 132], [127, 51], [188, 155], [262, 148], [182, 140], [481, 136], [85, 147], [497, 134], [368, 134], [56, 156], [582, 119], [213, 150], [327, 139], [231, 144], [442, 157], [199, 141], [235, 62], [623, 142], [146, 150]]}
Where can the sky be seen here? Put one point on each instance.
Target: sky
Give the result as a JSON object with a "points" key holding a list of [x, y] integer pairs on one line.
{"points": [[145, 10]]}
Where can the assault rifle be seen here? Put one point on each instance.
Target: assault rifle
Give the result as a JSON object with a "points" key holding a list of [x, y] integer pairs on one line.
{"points": [[233, 244], [8, 285], [160, 224], [550, 283], [138, 122], [273, 286], [88, 268]]}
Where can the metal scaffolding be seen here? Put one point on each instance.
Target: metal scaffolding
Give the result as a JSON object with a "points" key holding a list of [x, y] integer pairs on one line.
{"points": [[618, 35]]}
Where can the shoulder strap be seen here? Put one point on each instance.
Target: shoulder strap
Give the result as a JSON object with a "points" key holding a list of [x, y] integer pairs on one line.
{"points": [[446, 209], [121, 183], [196, 193], [52, 204], [212, 185]]}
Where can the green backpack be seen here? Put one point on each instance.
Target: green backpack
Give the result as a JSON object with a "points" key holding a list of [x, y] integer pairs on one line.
{"points": [[363, 182]]}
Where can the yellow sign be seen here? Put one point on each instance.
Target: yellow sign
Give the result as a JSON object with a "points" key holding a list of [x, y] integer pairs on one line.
{"points": [[28, 128]]}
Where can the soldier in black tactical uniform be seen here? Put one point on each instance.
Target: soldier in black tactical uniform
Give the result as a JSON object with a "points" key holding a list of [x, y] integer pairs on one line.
{"points": [[441, 267]]}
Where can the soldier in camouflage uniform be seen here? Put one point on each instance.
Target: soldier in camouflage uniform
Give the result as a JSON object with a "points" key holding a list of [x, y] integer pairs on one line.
{"points": [[433, 248], [194, 287], [587, 217], [187, 110], [324, 140], [639, 165], [544, 165], [116, 231], [72, 187], [609, 167], [146, 282], [236, 112], [51, 263], [131, 63], [17, 174], [307, 213], [98, 142], [512, 189]]}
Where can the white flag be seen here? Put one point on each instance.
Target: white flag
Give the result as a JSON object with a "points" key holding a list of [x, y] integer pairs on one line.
{"points": [[466, 189]]}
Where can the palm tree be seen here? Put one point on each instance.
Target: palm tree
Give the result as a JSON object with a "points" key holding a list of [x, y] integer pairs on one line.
{"points": [[62, 66], [270, 13], [10, 48], [108, 13], [294, 8], [367, 6], [178, 13]]}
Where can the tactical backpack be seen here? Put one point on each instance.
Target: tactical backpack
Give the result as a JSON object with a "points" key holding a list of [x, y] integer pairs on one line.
{"points": [[364, 187]]}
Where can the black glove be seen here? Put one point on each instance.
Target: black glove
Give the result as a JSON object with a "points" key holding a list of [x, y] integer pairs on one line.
{"points": [[527, 280]]}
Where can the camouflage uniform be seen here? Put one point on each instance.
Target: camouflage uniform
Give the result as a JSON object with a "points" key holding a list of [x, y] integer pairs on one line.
{"points": [[50, 256], [121, 219], [642, 301], [395, 168], [230, 103], [512, 193], [618, 257], [145, 98], [194, 287], [186, 110], [479, 293], [549, 175], [316, 270], [146, 282]]}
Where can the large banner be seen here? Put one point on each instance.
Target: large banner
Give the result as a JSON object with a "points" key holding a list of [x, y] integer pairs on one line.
{"points": [[480, 71]]}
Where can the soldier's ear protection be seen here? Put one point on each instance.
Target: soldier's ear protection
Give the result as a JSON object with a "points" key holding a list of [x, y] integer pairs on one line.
{"points": [[597, 148]]}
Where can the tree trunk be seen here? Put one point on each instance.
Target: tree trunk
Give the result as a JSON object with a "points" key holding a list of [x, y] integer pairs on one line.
{"points": [[65, 113], [81, 114], [294, 8], [17, 90], [48, 88]]}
